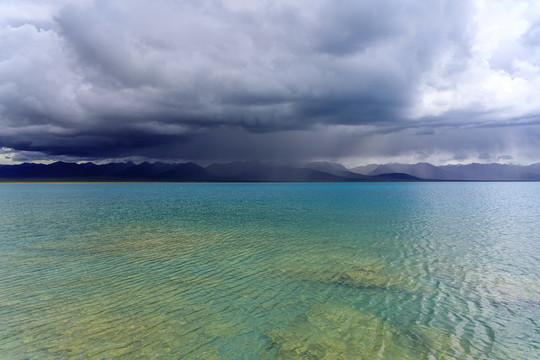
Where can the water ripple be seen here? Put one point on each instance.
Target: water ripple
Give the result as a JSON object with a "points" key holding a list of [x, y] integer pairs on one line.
{"points": [[312, 271]]}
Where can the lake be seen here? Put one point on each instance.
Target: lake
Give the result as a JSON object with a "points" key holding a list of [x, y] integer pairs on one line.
{"points": [[270, 271]]}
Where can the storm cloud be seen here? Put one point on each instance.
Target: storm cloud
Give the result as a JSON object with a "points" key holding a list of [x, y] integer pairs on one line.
{"points": [[354, 81]]}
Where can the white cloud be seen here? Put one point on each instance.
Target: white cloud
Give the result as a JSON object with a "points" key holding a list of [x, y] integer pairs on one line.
{"points": [[500, 77]]}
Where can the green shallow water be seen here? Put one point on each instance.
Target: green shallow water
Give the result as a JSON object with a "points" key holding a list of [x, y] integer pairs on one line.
{"points": [[270, 271]]}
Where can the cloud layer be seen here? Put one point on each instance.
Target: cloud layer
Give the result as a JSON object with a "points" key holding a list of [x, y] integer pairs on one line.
{"points": [[213, 80]]}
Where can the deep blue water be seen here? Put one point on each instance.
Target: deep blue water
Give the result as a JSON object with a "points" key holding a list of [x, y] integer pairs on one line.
{"points": [[270, 271]]}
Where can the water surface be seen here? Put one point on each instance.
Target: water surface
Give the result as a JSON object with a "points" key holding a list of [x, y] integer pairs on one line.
{"points": [[270, 271]]}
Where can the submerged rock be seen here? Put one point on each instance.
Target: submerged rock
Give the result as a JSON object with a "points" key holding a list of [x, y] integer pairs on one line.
{"points": [[340, 332], [365, 276], [354, 276], [340, 268], [335, 332]]}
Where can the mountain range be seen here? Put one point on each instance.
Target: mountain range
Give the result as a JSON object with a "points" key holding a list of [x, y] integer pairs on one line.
{"points": [[256, 171], [469, 172]]}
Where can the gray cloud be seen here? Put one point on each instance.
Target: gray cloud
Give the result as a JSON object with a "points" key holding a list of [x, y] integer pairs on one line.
{"points": [[205, 80]]}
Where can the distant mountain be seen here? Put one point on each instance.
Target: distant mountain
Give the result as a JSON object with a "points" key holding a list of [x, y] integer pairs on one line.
{"points": [[242, 171], [185, 172], [256, 171], [469, 172], [420, 170], [364, 169], [61, 171], [325, 166], [145, 170], [397, 177], [499, 172], [334, 169], [233, 169]]}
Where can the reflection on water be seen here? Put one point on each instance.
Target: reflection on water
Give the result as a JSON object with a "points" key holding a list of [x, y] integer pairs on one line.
{"points": [[269, 271]]}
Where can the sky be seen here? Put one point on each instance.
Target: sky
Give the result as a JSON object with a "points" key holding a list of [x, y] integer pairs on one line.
{"points": [[351, 81]]}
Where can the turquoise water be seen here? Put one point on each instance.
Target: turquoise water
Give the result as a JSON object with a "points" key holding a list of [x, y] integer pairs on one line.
{"points": [[270, 271]]}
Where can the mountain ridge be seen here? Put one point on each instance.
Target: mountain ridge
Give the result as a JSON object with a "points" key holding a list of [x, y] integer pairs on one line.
{"points": [[257, 171], [460, 172], [254, 171]]}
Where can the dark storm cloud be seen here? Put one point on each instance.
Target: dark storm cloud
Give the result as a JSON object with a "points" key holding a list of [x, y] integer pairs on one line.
{"points": [[212, 79]]}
